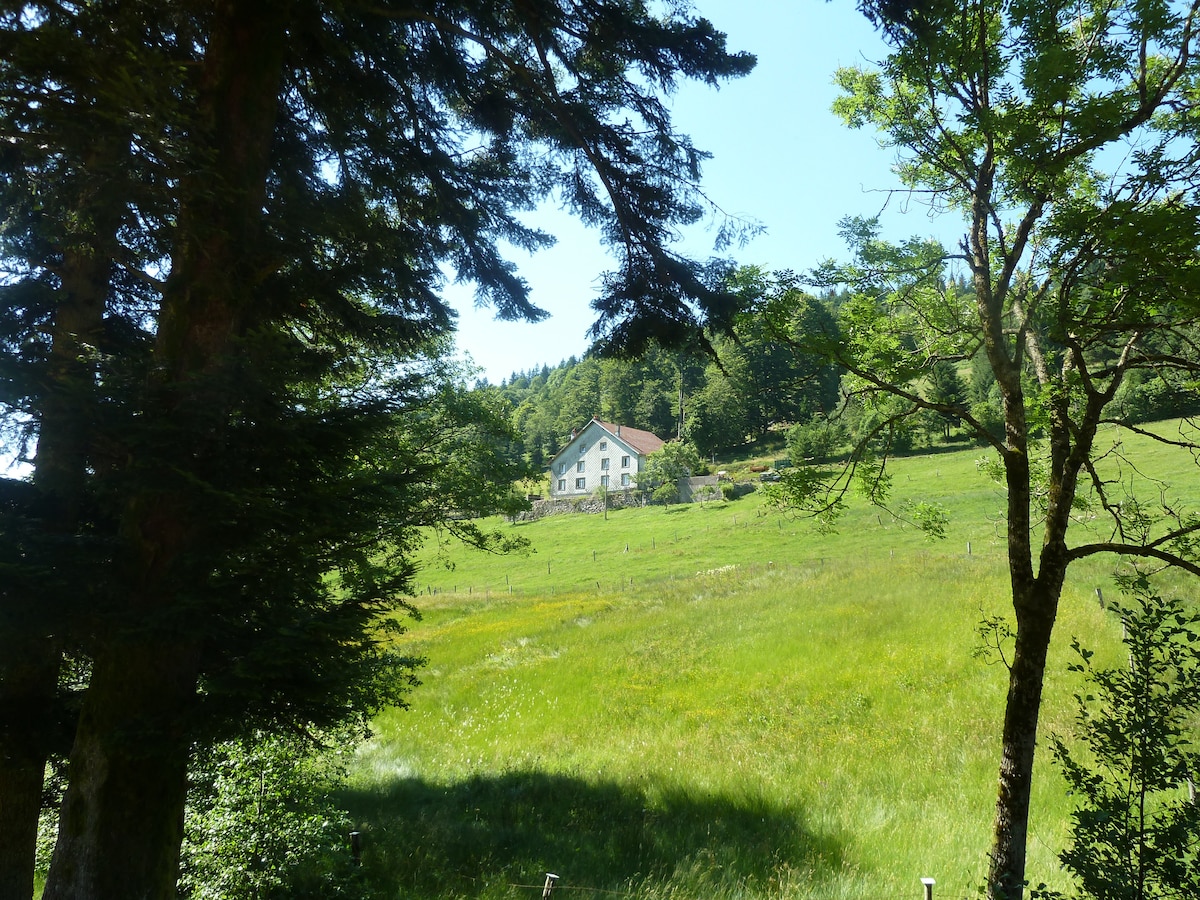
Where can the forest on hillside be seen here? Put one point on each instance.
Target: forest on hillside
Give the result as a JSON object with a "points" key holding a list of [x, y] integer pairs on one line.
{"points": [[749, 383]]}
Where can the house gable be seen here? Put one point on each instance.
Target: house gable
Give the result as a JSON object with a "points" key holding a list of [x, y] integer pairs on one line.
{"points": [[601, 454]]}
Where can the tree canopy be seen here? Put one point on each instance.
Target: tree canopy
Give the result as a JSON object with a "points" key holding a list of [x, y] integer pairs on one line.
{"points": [[665, 466]]}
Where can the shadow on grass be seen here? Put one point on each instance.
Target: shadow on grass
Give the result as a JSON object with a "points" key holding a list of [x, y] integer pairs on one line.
{"points": [[497, 836]]}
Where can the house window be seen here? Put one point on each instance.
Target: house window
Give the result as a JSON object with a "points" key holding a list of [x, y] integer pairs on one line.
{"points": [[603, 445], [582, 449], [625, 480], [562, 485], [624, 462], [604, 464], [580, 484], [604, 481], [579, 466]]}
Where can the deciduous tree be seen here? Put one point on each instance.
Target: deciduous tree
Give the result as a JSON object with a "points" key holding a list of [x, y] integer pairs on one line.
{"points": [[664, 468], [1063, 133]]}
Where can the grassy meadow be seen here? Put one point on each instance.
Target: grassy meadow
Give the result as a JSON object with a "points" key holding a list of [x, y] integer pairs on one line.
{"points": [[716, 702]]}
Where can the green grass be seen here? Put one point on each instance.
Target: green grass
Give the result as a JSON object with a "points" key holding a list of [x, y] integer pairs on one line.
{"points": [[640, 546], [732, 707]]}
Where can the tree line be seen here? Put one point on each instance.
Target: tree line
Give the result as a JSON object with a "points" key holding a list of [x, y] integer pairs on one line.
{"points": [[720, 394], [752, 382]]}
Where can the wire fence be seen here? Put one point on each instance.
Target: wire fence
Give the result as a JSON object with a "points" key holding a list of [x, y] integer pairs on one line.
{"points": [[552, 884], [672, 570]]}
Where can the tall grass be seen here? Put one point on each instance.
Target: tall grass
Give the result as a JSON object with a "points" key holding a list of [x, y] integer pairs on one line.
{"points": [[714, 702], [799, 733]]}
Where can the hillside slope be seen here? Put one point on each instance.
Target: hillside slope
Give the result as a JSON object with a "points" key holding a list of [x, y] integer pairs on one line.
{"points": [[714, 702]]}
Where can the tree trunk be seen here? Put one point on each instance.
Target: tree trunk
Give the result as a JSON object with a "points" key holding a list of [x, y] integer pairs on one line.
{"points": [[1035, 604], [30, 655], [28, 683], [1006, 871], [1006, 865], [121, 824]]}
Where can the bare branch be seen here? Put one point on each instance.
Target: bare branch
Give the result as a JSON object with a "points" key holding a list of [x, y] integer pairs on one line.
{"points": [[1140, 552]]}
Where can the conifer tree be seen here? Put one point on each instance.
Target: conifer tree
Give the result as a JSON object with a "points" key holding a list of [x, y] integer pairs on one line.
{"points": [[233, 325]]}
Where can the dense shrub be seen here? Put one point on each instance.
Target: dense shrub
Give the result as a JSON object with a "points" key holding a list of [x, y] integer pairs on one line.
{"points": [[818, 440], [261, 824]]}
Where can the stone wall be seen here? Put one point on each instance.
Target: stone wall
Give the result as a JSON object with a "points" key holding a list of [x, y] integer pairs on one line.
{"points": [[690, 487], [588, 504]]}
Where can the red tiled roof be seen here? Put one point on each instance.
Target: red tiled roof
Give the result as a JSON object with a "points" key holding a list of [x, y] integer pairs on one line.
{"points": [[644, 442]]}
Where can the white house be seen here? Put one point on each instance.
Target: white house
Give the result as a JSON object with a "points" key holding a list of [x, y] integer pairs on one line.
{"points": [[601, 455]]}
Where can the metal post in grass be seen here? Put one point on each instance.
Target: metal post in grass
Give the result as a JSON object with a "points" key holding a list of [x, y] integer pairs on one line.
{"points": [[356, 847], [1100, 597], [551, 879], [928, 882]]}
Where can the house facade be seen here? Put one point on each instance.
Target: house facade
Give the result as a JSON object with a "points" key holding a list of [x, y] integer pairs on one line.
{"points": [[601, 455]]}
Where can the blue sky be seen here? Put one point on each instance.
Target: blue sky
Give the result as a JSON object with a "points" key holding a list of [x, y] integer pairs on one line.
{"points": [[779, 156]]}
